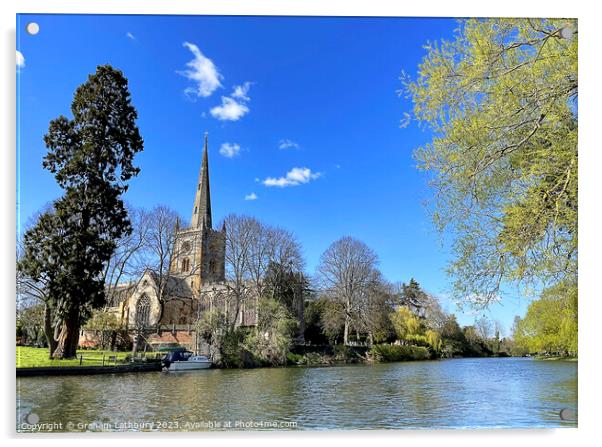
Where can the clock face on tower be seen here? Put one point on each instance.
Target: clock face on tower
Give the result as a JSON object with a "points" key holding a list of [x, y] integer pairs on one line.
{"points": [[186, 247]]}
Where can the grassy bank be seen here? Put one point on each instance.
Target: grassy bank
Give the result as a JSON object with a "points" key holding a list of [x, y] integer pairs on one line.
{"points": [[28, 357]]}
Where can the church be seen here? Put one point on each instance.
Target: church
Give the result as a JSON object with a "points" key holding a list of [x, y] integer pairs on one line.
{"points": [[195, 282]]}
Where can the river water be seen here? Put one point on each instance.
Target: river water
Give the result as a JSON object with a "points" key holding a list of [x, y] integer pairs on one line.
{"points": [[459, 393]]}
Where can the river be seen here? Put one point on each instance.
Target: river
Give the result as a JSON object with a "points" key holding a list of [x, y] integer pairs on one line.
{"points": [[458, 393]]}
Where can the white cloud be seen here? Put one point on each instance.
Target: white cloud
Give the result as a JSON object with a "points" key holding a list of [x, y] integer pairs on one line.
{"points": [[229, 110], [202, 71], [233, 107], [287, 144], [241, 91], [229, 150], [294, 177], [130, 36], [251, 196], [20, 60]]}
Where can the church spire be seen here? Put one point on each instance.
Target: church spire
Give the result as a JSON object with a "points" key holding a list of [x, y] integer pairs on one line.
{"points": [[201, 211]]}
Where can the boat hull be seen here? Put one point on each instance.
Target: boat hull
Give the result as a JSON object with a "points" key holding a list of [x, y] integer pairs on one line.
{"points": [[188, 366]]}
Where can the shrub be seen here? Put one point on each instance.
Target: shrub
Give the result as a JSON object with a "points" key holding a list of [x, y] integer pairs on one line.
{"points": [[270, 343], [232, 353], [396, 353], [294, 359]]}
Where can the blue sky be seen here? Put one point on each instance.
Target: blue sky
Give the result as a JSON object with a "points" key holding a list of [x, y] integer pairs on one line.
{"points": [[303, 115]]}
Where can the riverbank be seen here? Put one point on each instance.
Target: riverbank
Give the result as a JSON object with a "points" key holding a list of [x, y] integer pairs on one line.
{"points": [[337, 355], [35, 361], [549, 358]]}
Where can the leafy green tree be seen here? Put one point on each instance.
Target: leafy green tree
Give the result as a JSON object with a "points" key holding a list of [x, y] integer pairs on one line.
{"points": [[405, 323], [91, 158], [224, 343], [451, 329], [501, 101], [453, 340], [31, 322], [271, 342], [475, 345], [550, 325], [106, 325], [434, 340], [314, 333]]}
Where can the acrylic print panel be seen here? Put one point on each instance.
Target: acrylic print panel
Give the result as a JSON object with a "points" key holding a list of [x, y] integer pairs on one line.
{"points": [[295, 223]]}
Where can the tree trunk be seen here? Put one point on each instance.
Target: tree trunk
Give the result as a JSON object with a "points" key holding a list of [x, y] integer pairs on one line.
{"points": [[135, 343], [346, 331], [347, 321], [49, 330], [68, 338], [113, 340]]}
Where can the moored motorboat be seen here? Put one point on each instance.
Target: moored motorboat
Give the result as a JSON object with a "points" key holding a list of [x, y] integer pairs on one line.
{"points": [[183, 360]]}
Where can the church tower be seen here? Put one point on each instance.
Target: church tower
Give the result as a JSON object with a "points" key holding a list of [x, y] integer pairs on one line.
{"points": [[199, 251]]}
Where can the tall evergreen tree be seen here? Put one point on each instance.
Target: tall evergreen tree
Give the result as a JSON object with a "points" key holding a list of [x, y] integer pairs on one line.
{"points": [[413, 296], [91, 157]]}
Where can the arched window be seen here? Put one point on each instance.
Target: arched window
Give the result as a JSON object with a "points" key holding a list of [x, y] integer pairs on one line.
{"points": [[143, 312], [185, 264]]}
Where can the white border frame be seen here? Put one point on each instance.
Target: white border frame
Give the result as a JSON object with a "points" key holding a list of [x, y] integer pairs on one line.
{"points": [[589, 220]]}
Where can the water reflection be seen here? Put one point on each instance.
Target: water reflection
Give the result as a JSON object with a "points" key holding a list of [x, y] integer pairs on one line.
{"points": [[446, 394]]}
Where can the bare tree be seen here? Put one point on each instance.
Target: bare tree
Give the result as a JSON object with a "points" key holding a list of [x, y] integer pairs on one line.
{"points": [[436, 317], [375, 303], [285, 249], [127, 262], [483, 327], [32, 291], [345, 273], [251, 247], [252, 238], [242, 235], [159, 247], [268, 245]]}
